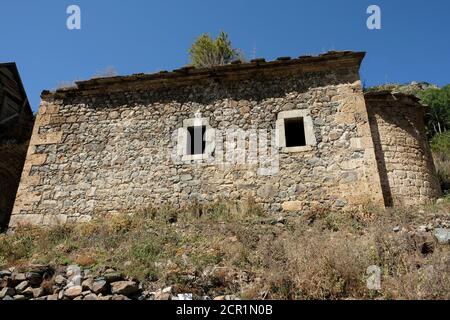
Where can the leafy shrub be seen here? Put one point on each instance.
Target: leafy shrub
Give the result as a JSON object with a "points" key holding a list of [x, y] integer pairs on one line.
{"points": [[207, 52], [440, 145]]}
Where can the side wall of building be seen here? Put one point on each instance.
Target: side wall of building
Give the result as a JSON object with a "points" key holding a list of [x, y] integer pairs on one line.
{"points": [[404, 158], [108, 152], [16, 121]]}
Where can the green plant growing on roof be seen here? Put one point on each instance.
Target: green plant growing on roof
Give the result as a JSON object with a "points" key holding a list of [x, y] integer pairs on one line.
{"points": [[207, 52]]}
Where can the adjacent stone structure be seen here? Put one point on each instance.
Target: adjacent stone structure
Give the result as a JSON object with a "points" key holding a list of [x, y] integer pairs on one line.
{"points": [[16, 122], [291, 134], [405, 163]]}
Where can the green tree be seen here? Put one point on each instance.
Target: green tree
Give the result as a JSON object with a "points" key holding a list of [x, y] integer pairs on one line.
{"points": [[207, 52], [438, 103]]}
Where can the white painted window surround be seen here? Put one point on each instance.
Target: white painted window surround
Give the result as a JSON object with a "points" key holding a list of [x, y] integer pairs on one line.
{"points": [[310, 138], [183, 135]]}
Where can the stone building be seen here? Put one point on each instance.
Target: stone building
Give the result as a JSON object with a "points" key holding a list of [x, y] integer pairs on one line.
{"points": [[291, 134], [16, 122]]}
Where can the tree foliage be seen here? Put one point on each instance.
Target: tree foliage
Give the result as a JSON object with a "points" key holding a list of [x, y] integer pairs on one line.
{"points": [[207, 52], [441, 143], [438, 103]]}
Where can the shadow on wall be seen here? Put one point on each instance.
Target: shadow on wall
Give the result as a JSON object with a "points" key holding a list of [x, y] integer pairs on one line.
{"points": [[381, 161], [14, 140], [12, 158], [16, 124]]}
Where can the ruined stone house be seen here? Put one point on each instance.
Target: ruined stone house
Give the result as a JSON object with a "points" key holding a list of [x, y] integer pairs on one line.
{"points": [[16, 122], [290, 134]]}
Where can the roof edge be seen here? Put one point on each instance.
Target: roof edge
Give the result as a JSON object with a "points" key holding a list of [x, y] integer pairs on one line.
{"points": [[329, 60], [387, 95]]}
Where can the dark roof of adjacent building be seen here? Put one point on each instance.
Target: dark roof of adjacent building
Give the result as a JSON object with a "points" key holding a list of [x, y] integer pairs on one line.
{"points": [[11, 86], [15, 111]]}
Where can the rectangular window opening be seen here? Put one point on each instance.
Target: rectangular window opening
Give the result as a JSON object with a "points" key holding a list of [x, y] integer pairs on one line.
{"points": [[294, 129], [196, 143]]}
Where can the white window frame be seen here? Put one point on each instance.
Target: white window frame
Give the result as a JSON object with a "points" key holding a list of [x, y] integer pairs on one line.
{"points": [[310, 137], [183, 135]]}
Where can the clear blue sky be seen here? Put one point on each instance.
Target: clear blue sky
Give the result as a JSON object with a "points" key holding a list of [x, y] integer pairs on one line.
{"points": [[149, 35]]}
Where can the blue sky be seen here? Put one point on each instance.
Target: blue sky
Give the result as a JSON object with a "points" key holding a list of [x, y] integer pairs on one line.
{"points": [[146, 36]]}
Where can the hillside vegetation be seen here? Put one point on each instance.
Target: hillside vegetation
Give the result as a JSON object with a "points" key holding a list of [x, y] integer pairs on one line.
{"points": [[236, 249]]}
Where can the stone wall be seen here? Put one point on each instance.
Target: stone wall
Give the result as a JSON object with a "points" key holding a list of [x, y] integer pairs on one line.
{"points": [[111, 145], [407, 172]]}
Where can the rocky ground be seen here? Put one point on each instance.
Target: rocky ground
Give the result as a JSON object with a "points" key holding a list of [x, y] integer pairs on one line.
{"points": [[225, 255], [43, 282]]}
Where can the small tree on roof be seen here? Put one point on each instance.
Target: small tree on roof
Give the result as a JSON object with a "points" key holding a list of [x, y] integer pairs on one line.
{"points": [[207, 52]]}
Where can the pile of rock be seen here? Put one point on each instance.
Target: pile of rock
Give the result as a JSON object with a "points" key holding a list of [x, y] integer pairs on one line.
{"points": [[425, 237], [43, 282]]}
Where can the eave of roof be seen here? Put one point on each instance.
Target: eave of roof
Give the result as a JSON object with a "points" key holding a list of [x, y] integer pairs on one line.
{"points": [[236, 70], [384, 96]]}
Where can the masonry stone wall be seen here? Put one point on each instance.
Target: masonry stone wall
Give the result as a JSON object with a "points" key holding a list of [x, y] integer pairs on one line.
{"points": [[116, 145], [404, 158]]}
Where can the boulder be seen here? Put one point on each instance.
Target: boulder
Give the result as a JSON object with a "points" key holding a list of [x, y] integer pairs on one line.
{"points": [[7, 282], [34, 278], [38, 268], [73, 292], [87, 284], [28, 292], [442, 235], [60, 280], [104, 298], [292, 206], [21, 286], [18, 277], [5, 273], [184, 296], [423, 242], [160, 295], [52, 297], [91, 297], [124, 288], [7, 292], [38, 292], [113, 277], [99, 286], [167, 290], [119, 297], [74, 276]]}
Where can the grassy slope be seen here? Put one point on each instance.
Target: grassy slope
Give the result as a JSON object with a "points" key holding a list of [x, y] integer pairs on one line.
{"points": [[236, 249]]}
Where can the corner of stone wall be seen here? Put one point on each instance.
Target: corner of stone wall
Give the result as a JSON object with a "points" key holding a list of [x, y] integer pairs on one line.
{"points": [[27, 199], [367, 190]]}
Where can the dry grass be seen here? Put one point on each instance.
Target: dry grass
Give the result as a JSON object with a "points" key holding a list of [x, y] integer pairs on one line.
{"points": [[227, 248]]}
